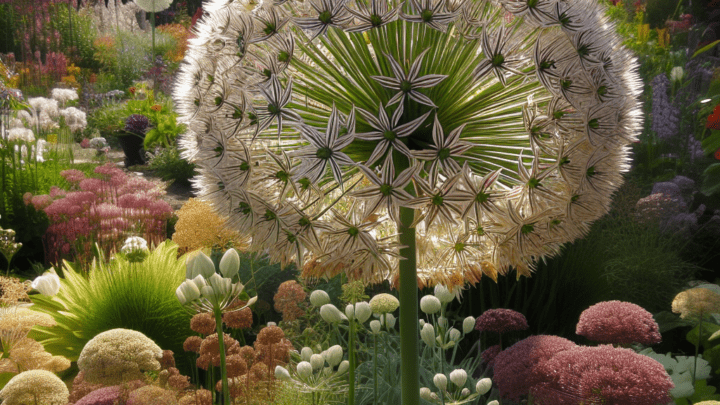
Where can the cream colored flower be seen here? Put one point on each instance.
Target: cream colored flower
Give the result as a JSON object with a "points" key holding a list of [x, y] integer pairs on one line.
{"points": [[696, 303], [35, 387]]}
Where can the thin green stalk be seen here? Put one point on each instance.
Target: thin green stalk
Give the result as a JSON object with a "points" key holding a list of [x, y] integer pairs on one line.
{"points": [[375, 380], [409, 367], [223, 369], [697, 348], [351, 358]]}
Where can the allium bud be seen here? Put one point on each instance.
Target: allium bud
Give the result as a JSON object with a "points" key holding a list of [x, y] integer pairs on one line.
{"points": [[350, 311], [317, 361], [468, 324], [281, 373], [454, 334], [270, 323], [384, 303], [493, 402], [362, 311], [483, 386], [305, 353], [442, 321], [440, 381], [187, 292], [199, 264], [425, 393], [421, 322], [304, 370], [230, 263], [430, 304], [334, 355], [458, 377], [427, 333], [464, 393], [199, 282], [375, 326], [319, 298], [388, 321], [331, 314], [443, 294], [48, 283], [343, 367]]}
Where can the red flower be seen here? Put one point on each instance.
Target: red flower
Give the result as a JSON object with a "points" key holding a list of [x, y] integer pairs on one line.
{"points": [[501, 320], [713, 121]]}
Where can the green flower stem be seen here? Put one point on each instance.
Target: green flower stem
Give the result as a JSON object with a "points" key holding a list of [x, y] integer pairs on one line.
{"points": [[697, 348], [351, 358], [375, 380], [223, 369], [409, 367]]}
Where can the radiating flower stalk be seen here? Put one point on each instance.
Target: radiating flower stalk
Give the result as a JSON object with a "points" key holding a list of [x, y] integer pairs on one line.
{"points": [[317, 373], [206, 290], [468, 137]]}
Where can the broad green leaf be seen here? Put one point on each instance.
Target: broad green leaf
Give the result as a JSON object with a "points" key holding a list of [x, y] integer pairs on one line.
{"points": [[711, 180], [668, 321], [711, 143], [706, 48], [704, 392]]}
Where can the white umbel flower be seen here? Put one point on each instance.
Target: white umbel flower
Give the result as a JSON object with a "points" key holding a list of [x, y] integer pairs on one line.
{"points": [[150, 6]]}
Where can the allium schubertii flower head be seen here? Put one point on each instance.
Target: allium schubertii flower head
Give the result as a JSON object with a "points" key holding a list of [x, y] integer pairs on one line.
{"points": [[504, 124]]}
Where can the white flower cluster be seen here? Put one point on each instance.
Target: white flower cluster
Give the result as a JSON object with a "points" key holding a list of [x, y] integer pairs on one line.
{"points": [[316, 372], [100, 143], [20, 135], [459, 394], [74, 118], [62, 96], [48, 283]]}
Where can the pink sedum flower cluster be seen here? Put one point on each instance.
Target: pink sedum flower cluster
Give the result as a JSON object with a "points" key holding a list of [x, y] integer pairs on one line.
{"points": [[620, 323], [107, 209], [602, 374], [516, 368], [501, 320]]}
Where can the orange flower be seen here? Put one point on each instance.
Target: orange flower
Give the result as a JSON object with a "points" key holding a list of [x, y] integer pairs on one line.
{"points": [[713, 120], [156, 107]]}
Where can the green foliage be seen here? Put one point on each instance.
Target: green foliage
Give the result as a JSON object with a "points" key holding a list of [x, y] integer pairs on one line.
{"points": [[169, 166], [77, 31], [108, 120], [262, 278], [137, 296]]}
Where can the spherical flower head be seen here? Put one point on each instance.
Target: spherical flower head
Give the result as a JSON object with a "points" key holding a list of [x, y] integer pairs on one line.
{"points": [[135, 249], [696, 303], [516, 368], [118, 355], [192, 344], [602, 374], [501, 320], [242, 319], [210, 350], [35, 387], [488, 355], [151, 395], [331, 314], [430, 304], [270, 335], [618, 322], [203, 323], [287, 298], [384, 303], [102, 396], [151, 6], [319, 298]]}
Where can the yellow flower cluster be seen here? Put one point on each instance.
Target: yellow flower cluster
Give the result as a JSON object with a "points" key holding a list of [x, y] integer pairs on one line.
{"points": [[35, 387], [198, 226], [696, 303], [117, 356]]}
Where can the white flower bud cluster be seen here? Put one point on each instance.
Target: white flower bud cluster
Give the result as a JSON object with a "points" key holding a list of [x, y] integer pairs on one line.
{"points": [[135, 249], [315, 370], [457, 393]]}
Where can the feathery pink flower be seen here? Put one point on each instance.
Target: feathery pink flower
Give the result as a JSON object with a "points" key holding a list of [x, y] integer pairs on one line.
{"points": [[516, 368], [618, 322], [602, 374]]}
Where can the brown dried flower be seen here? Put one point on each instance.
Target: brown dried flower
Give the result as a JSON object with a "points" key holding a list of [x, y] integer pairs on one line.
{"points": [[167, 360], [235, 365], [12, 290], [270, 335], [287, 298], [210, 350], [203, 323], [242, 319], [192, 344], [199, 397]]}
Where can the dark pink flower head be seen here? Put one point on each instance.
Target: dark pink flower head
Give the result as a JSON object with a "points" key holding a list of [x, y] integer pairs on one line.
{"points": [[602, 374], [489, 354], [73, 175], [516, 368], [102, 396], [501, 320], [618, 322]]}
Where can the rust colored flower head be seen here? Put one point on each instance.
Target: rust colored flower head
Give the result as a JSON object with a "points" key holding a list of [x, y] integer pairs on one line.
{"points": [[248, 354], [618, 322], [236, 366], [156, 107], [192, 344], [259, 372], [199, 397], [270, 335], [696, 303], [242, 319], [132, 90], [167, 360], [287, 298], [602, 374], [210, 350], [501, 320], [516, 367], [177, 381], [488, 355], [203, 323]]}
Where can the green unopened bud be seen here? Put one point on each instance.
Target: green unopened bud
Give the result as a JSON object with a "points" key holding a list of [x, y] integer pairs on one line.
{"points": [[189, 291], [230, 263], [468, 324], [454, 334], [428, 335], [304, 370], [350, 311], [458, 377], [305, 353], [319, 298], [343, 367], [426, 394], [281, 373], [375, 326], [362, 311], [331, 314], [317, 361], [334, 355], [430, 304], [199, 263]]}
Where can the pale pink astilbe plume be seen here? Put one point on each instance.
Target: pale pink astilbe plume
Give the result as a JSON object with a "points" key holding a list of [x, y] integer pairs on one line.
{"points": [[73, 176], [602, 374], [516, 368], [92, 185], [501, 320], [488, 355], [139, 185], [618, 322]]}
